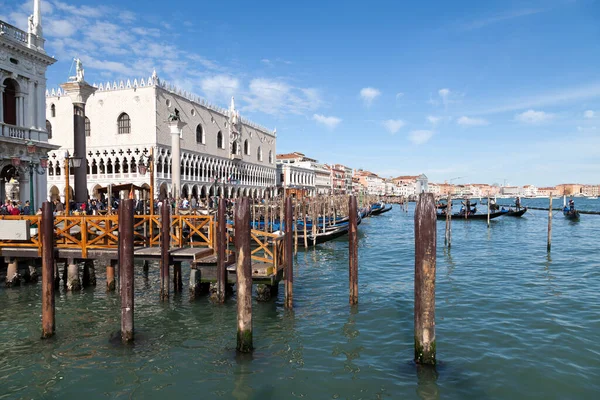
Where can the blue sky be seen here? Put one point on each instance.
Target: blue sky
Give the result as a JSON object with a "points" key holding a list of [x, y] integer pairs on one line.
{"points": [[488, 91]]}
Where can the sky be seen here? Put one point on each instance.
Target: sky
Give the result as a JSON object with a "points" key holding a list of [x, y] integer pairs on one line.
{"points": [[503, 92]]}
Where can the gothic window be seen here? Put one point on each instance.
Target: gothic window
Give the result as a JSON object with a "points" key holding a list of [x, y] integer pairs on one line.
{"points": [[50, 168], [159, 165], [246, 147], [270, 156], [220, 144], [57, 169], [125, 166], [200, 134], [49, 129], [124, 123], [259, 154], [133, 166], [117, 166], [102, 168], [109, 167], [94, 167], [234, 148], [88, 131], [53, 111]]}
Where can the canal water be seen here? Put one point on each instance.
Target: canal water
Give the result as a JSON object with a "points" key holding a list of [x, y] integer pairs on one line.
{"points": [[511, 322]]}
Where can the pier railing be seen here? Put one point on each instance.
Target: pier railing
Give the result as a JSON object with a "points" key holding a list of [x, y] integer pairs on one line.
{"points": [[268, 248], [102, 232]]}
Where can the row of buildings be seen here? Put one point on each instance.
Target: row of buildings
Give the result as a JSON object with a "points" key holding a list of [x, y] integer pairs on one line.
{"points": [[126, 128]]}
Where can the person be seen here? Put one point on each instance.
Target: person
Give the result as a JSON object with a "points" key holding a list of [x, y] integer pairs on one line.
{"points": [[518, 202], [27, 208], [571, 204]]}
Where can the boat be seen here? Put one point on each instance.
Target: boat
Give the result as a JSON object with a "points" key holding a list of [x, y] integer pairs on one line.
{"points": [[571, 214], [515, 213], [322, 237], [459, 216], [380, 208]]}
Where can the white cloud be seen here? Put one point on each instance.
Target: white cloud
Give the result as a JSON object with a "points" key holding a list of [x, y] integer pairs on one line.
{"points": [[220, 87], [420, 136], [329, 122], [444, 94], [393, 125], [433, 120], [273, 96], [399, 95], [533, 117], [480, 23], [466, 121], [369, 94], [60, 28], [589, 114]]}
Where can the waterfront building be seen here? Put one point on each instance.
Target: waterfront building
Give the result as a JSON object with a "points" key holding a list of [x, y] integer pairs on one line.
{"points": [[421, 184], [591, 190], [295, 174], [511, 191], [373, 184], [338, 178], [322, 179], [221, 153], [23, 129], [547, 191], [529, 191], [570, 189]]}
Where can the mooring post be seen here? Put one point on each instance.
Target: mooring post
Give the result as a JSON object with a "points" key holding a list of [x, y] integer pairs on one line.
{"points": [[289, 255], [177, 279], [73, 281], [126, 211], [244, 275], [165, 244], [448, 237], [221, 247], [12, 273], [425, 263], [488, 212], [48, 281], [550, 224], [353, 249], [110, 275]]}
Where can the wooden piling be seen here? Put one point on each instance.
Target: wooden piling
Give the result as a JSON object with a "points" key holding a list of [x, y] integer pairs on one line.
{"points": [[353, 249], [177, 279], [549, 225], [488, 211], [304, 223], [289, 256], [244, 276], [126, 212], [110, 276], [448, 236], [165, 244], [48, 281], [295, 222], [425, 265], [221, 247]]}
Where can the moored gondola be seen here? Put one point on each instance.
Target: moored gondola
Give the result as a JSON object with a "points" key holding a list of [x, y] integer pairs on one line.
{"points": [[461, 216]]}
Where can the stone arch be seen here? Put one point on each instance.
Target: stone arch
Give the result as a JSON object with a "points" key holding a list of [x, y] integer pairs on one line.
{"points": [[9, 103], [54, 193], [95, 193], [203, 192], [163, 191], [185, 191]]}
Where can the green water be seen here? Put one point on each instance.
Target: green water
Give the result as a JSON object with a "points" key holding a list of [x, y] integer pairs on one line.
{"points": [[511, 322]]}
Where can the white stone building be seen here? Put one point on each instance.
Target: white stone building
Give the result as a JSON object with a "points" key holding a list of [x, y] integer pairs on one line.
{"points": [[23, 137], [221, 153], [322, 179], [295, 174]]}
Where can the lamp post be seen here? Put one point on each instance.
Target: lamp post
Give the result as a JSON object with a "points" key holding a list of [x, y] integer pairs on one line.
{"points": [[148, 165], [70, 162], [34, 165]]}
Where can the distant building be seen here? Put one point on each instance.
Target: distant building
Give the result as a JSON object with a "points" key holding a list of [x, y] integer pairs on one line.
{"points": [[421, 184], [591, 190], [570, 189], [548, 191], [296, 174], [512, 191]]}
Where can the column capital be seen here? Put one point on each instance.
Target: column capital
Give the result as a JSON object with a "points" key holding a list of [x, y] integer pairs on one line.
{"points": [[79, 92]]}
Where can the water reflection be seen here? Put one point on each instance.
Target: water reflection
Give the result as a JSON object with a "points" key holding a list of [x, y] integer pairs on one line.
{"points": [[548, 273], [427, 387]]}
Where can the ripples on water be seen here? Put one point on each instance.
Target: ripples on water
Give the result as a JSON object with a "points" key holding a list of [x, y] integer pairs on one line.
{"points": [[512, 322]]}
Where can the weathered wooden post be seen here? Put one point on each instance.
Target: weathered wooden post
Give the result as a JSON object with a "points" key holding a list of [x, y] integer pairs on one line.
{"points": [[244, 275], [425, 264], [448, 237], [304, 223], [550, 224], [295, 222], [221, 247], [110, 275], [488, 211], [353, 249], [48, 284], [165, 244], [289, 255], [126, 212], [177, 278]]}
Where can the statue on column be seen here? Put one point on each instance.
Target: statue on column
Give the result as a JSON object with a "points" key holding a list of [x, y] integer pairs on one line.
{"points": [[79, 72]]}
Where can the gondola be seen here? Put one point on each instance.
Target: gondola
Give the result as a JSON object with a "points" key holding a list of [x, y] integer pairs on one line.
{"points": [[322, 237], [517, 213], [379, 208], [386, 209], [459, 216], [571, 214]]}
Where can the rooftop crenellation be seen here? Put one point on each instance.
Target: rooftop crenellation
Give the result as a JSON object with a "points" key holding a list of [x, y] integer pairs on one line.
{"points": [[154, 80]]}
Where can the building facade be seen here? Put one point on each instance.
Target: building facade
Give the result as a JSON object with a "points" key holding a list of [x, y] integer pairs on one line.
{"points": [[220, 152], [23, 135], [296, 175]]}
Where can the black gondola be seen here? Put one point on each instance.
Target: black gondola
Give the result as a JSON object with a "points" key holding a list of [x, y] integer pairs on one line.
{"points": [[459, 216], [571, 214], [516, 213]]}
